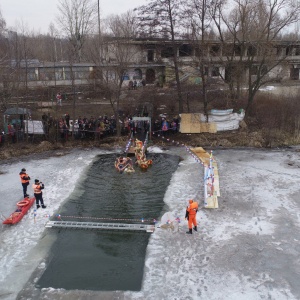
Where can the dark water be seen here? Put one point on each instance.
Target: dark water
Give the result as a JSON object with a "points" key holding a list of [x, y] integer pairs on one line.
{"points": [[108, 260]]}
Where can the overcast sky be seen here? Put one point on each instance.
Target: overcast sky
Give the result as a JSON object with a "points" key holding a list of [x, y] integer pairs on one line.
{"points": [[38, 14]]}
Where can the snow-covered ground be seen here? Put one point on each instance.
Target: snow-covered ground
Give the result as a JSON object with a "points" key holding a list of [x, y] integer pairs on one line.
{"points": [[247, 249]]}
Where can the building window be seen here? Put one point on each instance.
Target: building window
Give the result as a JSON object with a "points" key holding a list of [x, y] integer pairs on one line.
{"points": [[46, 74], [215, 72], [227, 50], [68, 73], [31, 75], [150, 76], [214, 50], [289, 50], [150, 56], [167, 52], [294, 73], [185, 50], [251, 51], [59, 73], [137, 74], [206, 71], [125, 75], [237, 50]]}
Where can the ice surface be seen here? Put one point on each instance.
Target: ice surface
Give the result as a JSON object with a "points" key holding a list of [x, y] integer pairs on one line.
{"points": [[247, 249], [20, 253]]}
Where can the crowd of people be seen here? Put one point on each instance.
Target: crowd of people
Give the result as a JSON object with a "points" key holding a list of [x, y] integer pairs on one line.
{"points": [[97, 128], [82, 127], [92, 128], [134, 84]]}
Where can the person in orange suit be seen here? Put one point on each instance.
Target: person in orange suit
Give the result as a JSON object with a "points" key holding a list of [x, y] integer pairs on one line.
{"points": [[190, 215], [25, 181], [38, 194]]}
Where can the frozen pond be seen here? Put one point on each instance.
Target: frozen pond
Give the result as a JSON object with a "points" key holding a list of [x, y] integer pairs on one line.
{"points": [[247, 249]]}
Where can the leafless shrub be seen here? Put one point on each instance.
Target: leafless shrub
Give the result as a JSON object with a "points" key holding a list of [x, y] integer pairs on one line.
{"points": [[277, 117]]}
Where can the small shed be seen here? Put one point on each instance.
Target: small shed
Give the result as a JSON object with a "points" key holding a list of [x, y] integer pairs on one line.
{"points": [[16, 116]]}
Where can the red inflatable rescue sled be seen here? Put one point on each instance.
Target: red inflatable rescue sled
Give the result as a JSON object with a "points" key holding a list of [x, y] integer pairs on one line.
{"points": [[22, 208]]}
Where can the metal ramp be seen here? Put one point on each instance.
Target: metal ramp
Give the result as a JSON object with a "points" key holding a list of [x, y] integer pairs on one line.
{"points": [[94, 225]]}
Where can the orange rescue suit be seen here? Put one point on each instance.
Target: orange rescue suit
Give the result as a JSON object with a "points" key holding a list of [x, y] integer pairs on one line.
{"points": [[191, 212], [24, 177], [37, 188]]}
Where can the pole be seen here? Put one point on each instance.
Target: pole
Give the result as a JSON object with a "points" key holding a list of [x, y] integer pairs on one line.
{"points": [[99, 33]]}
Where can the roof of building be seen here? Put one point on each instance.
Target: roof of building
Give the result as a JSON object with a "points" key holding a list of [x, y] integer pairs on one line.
{"points": [[17, 111]]}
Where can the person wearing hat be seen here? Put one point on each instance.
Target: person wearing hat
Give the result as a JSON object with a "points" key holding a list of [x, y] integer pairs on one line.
{"points": [[25, 181], [190, 215], [38, 194]]}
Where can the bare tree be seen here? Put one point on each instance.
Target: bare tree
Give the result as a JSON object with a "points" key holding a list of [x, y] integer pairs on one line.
{"points": [[77, 19], [199, 18], [3, 46], [249, 35], [119, 55], [4, 60], [2, 23], [162, 18]]}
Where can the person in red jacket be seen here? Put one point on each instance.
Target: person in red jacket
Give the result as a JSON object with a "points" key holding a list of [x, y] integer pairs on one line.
{"points": [[190, 215], [25, 181]]}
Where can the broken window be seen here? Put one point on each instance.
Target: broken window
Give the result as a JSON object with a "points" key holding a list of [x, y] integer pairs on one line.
{"points": [[215, 71], [167, 52], [150, 56], [185, 50]]}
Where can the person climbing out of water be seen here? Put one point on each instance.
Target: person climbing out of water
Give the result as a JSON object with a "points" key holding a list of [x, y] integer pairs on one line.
{"points": [[121, 163], [190, 215], [38, 194], [25, 181]]}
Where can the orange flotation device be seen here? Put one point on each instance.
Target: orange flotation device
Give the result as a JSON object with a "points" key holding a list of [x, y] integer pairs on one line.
{"points": [[144, 165], [23, 203]]}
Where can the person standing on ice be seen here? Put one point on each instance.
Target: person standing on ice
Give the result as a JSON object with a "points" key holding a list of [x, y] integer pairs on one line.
{"points": [[38, 194], [190, 215], [25, 181]]}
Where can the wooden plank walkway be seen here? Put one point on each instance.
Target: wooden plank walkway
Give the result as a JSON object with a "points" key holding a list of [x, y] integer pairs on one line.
{"points": [[210, 164]]}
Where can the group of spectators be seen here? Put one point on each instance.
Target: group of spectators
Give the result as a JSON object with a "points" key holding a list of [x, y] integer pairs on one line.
{"points": [[165, 126], [91, 128], [134, 84], [97, 128], [82, 127]]}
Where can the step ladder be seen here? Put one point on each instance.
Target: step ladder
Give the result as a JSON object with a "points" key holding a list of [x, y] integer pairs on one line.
{"points": [[94, 225]]}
